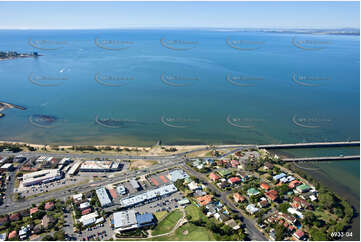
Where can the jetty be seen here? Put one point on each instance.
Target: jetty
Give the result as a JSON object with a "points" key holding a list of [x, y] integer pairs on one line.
{"points": [[324, 158], [310, 145]]}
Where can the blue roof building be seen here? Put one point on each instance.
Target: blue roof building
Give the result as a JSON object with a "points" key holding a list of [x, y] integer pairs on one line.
{"points": [[279, 176], [145, 219]]}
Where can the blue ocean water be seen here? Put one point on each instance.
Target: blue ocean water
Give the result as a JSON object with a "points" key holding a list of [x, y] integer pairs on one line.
{"points": [[181, 86]]}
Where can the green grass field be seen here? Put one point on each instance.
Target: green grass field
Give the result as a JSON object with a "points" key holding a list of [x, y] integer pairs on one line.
{"points": [[195, 212], [160, 215], [188, 232], [167, 223]]}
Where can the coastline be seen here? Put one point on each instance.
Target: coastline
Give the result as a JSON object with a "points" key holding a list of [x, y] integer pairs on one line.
{"points": [[328, 181]]}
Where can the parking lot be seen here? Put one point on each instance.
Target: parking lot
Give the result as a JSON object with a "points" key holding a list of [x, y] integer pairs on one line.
{"points": [[97, 232], [164, 204], [41, 188]]}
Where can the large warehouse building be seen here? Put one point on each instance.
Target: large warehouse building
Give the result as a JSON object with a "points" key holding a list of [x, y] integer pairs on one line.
{"points": [[42, 176], [100, 166]]}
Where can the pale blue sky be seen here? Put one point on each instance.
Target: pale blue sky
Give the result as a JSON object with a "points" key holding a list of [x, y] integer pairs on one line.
{"points": [[93, 15]]}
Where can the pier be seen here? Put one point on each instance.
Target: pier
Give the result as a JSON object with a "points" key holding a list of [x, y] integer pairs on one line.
{"points": [[310, 145], [324, 158]]}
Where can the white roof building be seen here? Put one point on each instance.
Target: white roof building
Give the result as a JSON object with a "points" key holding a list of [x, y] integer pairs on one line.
{"points": [[84, 205], [100, 166], [89, 218], [125, 220], [41, 176], [74, 169], [294, 211], [78, 197], [194, 186], [251, 208], [149, 195], [177, 175], [103, 197]]}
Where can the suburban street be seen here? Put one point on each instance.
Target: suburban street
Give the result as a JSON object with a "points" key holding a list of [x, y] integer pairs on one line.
{"points": [[254, 233]]}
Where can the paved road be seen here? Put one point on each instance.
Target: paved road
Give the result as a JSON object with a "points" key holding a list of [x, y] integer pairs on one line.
{"points": [[9, 189], [253, 232]]}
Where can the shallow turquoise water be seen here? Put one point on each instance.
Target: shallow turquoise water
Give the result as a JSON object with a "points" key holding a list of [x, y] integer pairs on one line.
{"points": [[267, 107]]}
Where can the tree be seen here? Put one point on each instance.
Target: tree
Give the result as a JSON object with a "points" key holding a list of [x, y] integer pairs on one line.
{"points": [[279, 230], [59, 235], [283, 207], [326, 200], [47, 238]]}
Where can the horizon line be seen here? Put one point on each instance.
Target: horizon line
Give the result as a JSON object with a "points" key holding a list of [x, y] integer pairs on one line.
{"points": [[168, 27]]}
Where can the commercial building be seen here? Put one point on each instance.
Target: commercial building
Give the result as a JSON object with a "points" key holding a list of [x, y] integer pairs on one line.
{"points": [[103, 197], [135, 184], [100, 166], [89, 218], [7, 167], [75, 168], [127, 220], [43, 176], [150, 195], [177, 175], [121, 190]]}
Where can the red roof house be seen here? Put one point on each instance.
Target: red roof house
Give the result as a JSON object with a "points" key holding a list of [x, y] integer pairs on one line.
{"points": [[294, 184], [238, 197], [33, 210], [271, 195], [234, 180], [12, 234], [48, 206], [14, 217], [234, 163], [265, 186], [298, 234], [86, 211], [213, 176]]}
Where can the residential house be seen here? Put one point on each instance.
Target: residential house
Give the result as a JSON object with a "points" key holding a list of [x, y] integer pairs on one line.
{"points": [[294, 184], [265, 186], [271, 195], [299, 203], [38, 229], [238, 197], [252, 192], [234, 180], [251, 208], [33, 210], [4, 219], [303, 188], [224, 172], [232, 223], [234, 163], [263, 203], [214, 177], [14, 217], [49, 206], [204, 200], [194, 186], [288, 218], [279, 176], [268, 166], [47, 221], [12, 234], [299, 234]]}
